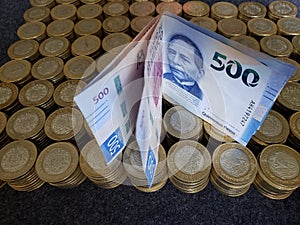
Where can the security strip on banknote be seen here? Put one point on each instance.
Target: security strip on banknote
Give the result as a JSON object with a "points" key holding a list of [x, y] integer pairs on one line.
{"points": [[224, 83]]}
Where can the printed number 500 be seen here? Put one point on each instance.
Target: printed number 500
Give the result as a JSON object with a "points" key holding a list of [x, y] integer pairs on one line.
{"points": [[113, 144]]}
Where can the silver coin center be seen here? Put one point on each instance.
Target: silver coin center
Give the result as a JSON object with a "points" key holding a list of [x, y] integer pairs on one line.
{"points": [[26, 122], [63, 124], [36, 93], [5, 95], [57, 161], [136, 160], [272, 126], [183, 121], [15, 159]]}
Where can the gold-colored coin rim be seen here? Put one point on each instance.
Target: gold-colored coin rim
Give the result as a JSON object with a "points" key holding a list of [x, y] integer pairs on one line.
{"points": [[277, 14], [134, 23], [41, 30], [39, 76], [296, 76], [252, 30], [189, 6], [41, 19], [80, 52], [29, 164], [59, 52], [247, 15], [84, 12], [227, 31], [33, 52], [15, 93], [215, 133], [284, 101], [173, 7], [25, 73], [68, 73], [3, 121], [287, 52], [135, 12], [106, 44], [215, 14], [109, 29], [49, 3], [78, 26], [285, 30], [56, 15], [108, 13], [213, 24], [292, 122], [253, 43], [51, 28]]}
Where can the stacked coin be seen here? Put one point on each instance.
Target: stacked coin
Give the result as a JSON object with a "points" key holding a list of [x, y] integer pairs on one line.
{"points": [[138, 23], [9, 102], [248, 41], [214, 137], [74, 2], [64, 124], [2, 183], [28, 123], [205, 22], [289, 26], [294, 136], [261, 27], [172, 7], [116, 24], [16, 71], [64, 11], [64, 93], [56, 47], [32, 30], [24, 49], [189, 164], [296, 76], [88, 45], [278, 173], [88, 27], [38, 93], [276, 45], [90, 11], [58, 165], [231, 27], [132, 163], [288, 100], [46, 3], [17, 161], [181, 124], [142, 9], [94, 166], [223, 10], [61, 28], [234, 169], [274, 130], [116, 9], [281, 9], [115, 42], [4, 138], [103, 61], [100, 2], [250, 10], [49, 68], [195, 9], [37, 14]]}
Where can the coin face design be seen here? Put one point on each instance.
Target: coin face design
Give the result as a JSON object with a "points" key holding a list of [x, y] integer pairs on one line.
{"points": [[252, 9], [26, 122], [79, 66], [277, 45], [235, 162], [94, 157], [283, 8], [62, 124], [283, 165], [57, 161], [291, 25], [5, 95], [136, 160], [271, 126], [291, 93], [189, 160], [183, 121], [36, 92], [36, 13], [47, 67], [225, 10], [15, 159], [54, 45], [263, 26], [67, 93]]}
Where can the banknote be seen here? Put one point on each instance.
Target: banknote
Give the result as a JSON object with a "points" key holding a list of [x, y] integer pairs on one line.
{"points": [[224, 83]]}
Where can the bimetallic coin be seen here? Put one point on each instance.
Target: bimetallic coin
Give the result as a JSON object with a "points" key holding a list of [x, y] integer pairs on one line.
{"points": [[80, 67], [223, 10], [15, 71], [24, 49], [115, 42], [138, 23], [296, 46], [48, 68], [61, 28], [294, 122], [116, 24], [276, 45], [88, 45], [55, 47], [64, 93], [74, 2], [104, 60], [64, 11], [288, 26], [172, 7], [280, 9], [46, 3], [195, 8], [116, 9], [37, 13], [296, 76], [248, 41], [261, 27], [3, 121], [232, 27], [89, 11], [250, 10], [100, 2], [9, 98], [32, 30], [205, 22], [142, 9], [289, 97], [64, 124], [88, 27]]}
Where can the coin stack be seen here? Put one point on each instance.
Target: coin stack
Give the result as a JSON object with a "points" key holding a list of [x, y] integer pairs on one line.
{"points": [[276, 45], [205, 22], [288, 26], [74, 2], [9, 102], [189, 164], [142, 9], [234, 169], [181, 124], [172, 7], [56, 47], [116, 9], [28, 123], [61, 28], [37, 14], [64, 93], [296, 46], [58, 165], [116, 24], [32, 31], [64, 11], [133, 166], [261, 27], [231, 27], [100, 2], [296, 76], [294, 136], [94, 166], [115, 42], [46, 3], [88, 27], [138, 23], [17, 166], [4, 138], [248, 41], [38, 93], [274, 130], [24, 49], [278, 172], [223, 10], [250, 10], [90, 11], [281, 9], [195, 9], [88, 45]]}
